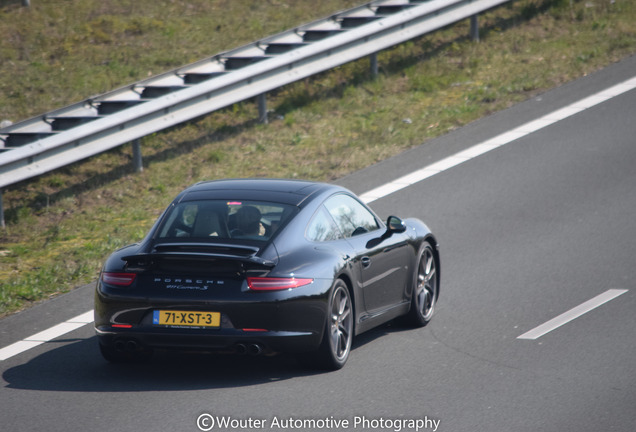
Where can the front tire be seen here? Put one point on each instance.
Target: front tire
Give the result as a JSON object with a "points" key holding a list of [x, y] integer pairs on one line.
{"points": [[426, 287]]}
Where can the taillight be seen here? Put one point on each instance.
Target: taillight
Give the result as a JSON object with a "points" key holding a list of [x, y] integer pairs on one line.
{"points": [[275, 284], [119, 279]]}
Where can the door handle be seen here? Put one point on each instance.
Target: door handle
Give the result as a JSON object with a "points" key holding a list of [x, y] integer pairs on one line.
{"points": [[366, 261]]}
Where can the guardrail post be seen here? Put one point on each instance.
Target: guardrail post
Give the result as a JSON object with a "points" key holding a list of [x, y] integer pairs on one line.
{"points": [[373, 62], [137, 160], [474, 28], [2, 225], [262, 108]]}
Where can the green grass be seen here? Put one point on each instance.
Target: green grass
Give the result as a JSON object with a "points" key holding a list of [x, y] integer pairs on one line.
{"points": [[62, 225]]}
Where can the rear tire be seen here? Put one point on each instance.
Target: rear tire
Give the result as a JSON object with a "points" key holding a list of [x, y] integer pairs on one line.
{"points": [[336, 343]]}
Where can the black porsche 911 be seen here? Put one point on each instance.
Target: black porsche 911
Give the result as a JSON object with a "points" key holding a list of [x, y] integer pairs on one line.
{"points": [[265, 266]]}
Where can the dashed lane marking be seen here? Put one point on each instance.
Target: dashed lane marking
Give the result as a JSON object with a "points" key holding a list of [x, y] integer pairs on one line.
{"points": [[572, 314]]}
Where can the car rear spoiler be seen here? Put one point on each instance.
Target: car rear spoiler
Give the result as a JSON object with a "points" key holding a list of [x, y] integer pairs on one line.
{"points": [[201, 252]]}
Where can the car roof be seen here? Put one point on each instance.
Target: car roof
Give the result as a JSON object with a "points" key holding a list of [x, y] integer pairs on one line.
{"points": [[292, 192]]}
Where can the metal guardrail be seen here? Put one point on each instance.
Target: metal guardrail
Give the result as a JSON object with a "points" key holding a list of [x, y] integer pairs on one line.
{"points": [[64, 136]]}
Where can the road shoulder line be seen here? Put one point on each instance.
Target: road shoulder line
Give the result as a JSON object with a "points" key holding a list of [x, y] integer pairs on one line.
{"points": [[498, 141]]}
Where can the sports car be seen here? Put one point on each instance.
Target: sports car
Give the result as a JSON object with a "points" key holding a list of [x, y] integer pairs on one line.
{"points": [[258, 266]]}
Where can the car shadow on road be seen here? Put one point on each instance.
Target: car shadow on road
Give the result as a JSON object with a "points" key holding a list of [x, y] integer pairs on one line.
{"points": [[76, 365]]}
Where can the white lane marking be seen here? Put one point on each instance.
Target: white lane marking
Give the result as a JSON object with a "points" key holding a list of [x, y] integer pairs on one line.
{"points": [[498, 141], [46, 335], [572, 314], [417, 176]]}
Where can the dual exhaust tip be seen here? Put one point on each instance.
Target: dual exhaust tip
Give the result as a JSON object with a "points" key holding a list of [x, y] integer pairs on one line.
{"points": [[253, 349], [127, 345]]}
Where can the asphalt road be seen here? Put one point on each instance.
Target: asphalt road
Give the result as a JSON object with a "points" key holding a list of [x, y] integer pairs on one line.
{"points": [[528, 231]]}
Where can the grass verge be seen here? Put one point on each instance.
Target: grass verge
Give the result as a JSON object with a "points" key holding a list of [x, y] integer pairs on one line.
{"points": [[61, 226]]}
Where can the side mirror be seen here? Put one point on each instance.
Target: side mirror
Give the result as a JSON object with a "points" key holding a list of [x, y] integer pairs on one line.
{"points": [[395, 225]]}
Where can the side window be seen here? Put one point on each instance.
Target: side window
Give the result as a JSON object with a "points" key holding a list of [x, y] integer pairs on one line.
{"points": [[180, 222], [351, 217], [321, 228]]}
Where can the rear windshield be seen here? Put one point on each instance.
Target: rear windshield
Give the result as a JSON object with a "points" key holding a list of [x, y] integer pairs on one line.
{"points": [[246, 220]]}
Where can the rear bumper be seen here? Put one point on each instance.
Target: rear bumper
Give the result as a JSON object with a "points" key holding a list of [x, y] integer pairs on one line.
{"points": [[287, 321], [224, 341]]}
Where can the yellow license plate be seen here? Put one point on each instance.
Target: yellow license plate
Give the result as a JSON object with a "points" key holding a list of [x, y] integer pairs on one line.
{"points": [[186, 318]]}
